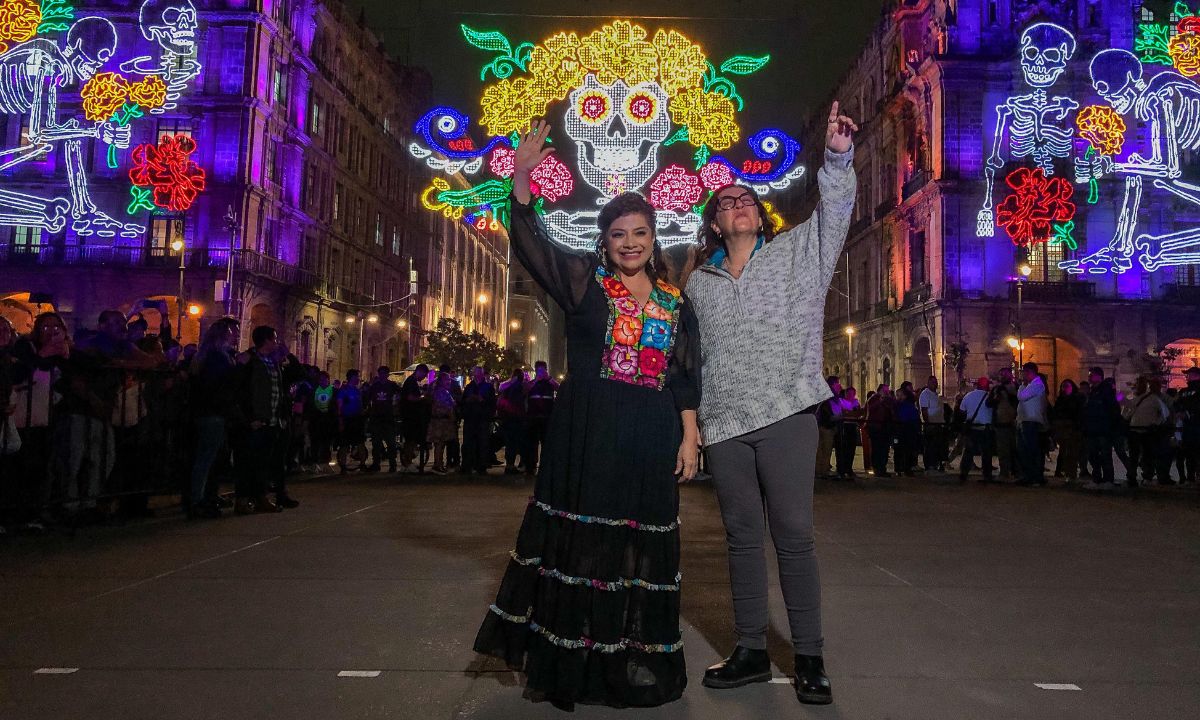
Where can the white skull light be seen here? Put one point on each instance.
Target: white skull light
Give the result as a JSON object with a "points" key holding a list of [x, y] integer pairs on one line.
{"points": [[1045, 50], [1117, 77], [617, 129], [170, 23]]}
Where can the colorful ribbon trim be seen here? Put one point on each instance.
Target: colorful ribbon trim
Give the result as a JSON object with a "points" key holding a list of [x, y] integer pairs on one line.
{"points": [[634, 524], [619, 584], [588, 643]]}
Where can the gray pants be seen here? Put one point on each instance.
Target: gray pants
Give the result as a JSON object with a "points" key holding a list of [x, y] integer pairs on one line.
{"points": [[771, 468]]}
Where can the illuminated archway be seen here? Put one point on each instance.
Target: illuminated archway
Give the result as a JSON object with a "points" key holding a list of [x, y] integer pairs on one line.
{"points": [[21, 308], [1179, 356]]}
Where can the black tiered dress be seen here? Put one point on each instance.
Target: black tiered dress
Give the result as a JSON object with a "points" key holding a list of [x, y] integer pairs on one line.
{"points": [[589, 604]]}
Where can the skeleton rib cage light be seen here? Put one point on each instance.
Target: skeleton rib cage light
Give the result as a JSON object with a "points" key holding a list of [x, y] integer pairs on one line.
{"points": [[630, 97], [49, 55], [1061, 154]]}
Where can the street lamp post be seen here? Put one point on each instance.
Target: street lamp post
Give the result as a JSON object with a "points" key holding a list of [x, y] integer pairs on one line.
{"points": [[231, 220], [1023, 273], [178, 246], [850, 354]]}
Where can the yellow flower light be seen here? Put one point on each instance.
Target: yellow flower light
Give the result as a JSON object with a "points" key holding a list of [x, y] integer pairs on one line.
{"points": [[1184, 50], [511, 105], [19, 21], [619, 51], [681, 64], [554, 66], [1103, 127], [708, 116]]}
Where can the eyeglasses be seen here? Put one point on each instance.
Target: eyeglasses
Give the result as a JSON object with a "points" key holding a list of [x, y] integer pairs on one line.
{"points": [[731, 202]]}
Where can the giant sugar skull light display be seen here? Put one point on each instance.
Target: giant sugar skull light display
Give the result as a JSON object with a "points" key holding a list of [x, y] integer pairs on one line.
{"points": [[632, 103]]}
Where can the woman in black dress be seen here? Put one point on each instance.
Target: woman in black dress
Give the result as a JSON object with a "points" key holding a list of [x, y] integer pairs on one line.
{"points": [[589, 605]]}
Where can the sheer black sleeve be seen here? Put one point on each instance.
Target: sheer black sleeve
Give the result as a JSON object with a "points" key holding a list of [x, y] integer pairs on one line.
{"points": [[561, 272], [683, 369]]}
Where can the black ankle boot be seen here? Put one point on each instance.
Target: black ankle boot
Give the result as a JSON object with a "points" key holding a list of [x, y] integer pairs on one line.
{"points": [[743, 667], [812, 687]]}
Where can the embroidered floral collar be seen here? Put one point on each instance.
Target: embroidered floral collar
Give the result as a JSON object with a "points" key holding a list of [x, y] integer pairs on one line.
{"points": [[640, 337]]}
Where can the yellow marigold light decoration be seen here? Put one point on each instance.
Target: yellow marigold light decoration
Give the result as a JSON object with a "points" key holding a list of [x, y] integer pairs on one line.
{"points": [[708, 117], [511, 105], [103, 95], [150, 93], [554, 66], [681, 64], [1184, 50], [619, 51], [19, 20], [1103, 127]]}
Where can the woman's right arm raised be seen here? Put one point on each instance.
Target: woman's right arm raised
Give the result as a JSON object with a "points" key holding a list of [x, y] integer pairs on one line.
{"points": [[563, 273]]}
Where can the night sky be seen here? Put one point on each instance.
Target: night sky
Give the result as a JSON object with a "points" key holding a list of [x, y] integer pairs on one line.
{"points": [[811, 42]]}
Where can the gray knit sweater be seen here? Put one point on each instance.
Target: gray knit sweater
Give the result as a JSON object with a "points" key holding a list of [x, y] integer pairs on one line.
{"points": [[761, 333]]}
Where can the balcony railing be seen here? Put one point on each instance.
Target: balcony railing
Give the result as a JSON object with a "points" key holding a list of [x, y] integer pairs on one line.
{"points": [[1053, 292], [1182, 293], [919, 179], [917, 295]]}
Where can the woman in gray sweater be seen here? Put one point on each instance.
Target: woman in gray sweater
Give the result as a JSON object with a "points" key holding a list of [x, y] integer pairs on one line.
{"points": [[760, 303]]}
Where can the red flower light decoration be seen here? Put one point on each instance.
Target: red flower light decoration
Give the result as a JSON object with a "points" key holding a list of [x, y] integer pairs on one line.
{"points": [[1036, 204], [169, 169], [552, 179], [715, 176], [675, 189]]}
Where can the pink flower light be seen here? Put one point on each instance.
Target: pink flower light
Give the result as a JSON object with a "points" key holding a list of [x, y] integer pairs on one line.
{"points": [[675, 189], [504, 162], [552, 179], [715, 176]]}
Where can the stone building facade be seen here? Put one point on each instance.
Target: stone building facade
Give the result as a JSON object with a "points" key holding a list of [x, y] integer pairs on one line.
{"points": [[929, 284], [301, 124]]}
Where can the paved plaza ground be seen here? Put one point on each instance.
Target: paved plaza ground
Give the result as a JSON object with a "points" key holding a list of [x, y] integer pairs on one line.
{"points": [[940, 601]]}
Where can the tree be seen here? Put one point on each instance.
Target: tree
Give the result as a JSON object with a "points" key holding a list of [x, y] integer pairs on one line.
{"points": [[449, 345]]}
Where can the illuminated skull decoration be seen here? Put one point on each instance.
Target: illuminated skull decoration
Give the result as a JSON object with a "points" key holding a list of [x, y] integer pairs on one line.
{"points": [[171, 24], [1117, 77], [1045, 50], [91, 41], [618, 130]]}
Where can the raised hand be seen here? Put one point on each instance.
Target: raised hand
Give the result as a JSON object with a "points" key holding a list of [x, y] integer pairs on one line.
{"points": [[839, 131], [530, 152]]}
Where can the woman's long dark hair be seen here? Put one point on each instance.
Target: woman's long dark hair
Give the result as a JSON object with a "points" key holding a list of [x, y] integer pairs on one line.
{"points": [[630, 203], [710, 240]]}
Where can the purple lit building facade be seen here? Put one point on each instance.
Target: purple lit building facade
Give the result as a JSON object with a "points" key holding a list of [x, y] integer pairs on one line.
{"points": [[301, 124], [921, 288]]}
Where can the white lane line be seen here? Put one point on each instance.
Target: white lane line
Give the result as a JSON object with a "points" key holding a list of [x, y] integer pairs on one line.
{"points": [[55, 671], [781, 681], [1058, 686], [359, 673]]}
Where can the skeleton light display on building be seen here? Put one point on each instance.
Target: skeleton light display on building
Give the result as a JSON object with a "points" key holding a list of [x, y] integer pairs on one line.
{"points": [[48, 55], [630, 98], [1136, 126]]}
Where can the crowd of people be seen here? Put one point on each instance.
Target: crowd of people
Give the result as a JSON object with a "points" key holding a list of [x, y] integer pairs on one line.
{"points": [[93, 424], [1009, 430]]}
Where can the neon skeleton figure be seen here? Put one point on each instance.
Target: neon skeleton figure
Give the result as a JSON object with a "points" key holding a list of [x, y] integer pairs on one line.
{"points": [[32, 74], [1035, 123], [1170, 104], [172, 25]]}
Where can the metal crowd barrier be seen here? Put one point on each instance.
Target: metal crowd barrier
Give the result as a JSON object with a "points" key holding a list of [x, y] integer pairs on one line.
{"points": [[127, 436]]}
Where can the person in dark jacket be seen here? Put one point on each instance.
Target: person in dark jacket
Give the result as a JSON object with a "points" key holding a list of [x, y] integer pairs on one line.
{"points": [[880, 415], [214, 407], [263, 407], [539, 405], [382, 397], [1101, 423], [1187, 409], [1066, 424], [478, 411]]}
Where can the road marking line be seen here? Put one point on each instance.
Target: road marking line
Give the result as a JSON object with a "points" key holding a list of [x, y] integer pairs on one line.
{"points": [[1058, 686], [359, 673], [781, 681], [55, 671]]}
